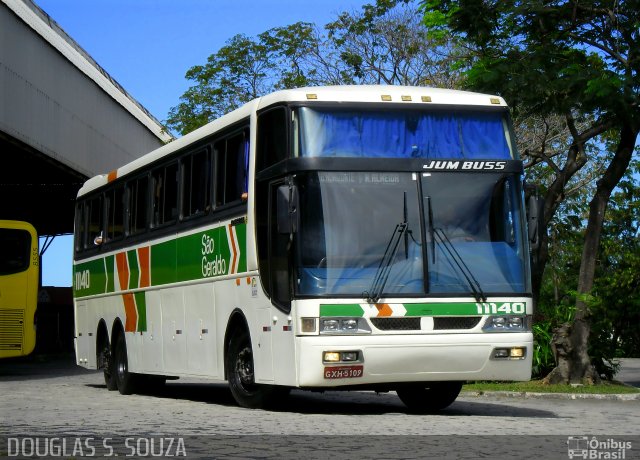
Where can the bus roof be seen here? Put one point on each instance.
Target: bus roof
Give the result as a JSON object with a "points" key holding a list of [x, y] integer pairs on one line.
{"points": [[351, 94]]}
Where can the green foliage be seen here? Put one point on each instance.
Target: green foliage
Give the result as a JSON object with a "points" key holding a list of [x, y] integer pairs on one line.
{"points": [[543, 359], [578, 60], [616, 315], [385, 42], [242, 70]]}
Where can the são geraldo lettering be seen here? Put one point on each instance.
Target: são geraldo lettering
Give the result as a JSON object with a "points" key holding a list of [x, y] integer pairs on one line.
{"points": [[440, 165], [217, 266]]}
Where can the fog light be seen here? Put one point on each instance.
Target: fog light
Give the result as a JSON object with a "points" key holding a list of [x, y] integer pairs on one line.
{"points": [[331, 357], [517, 352], [308, 325]]}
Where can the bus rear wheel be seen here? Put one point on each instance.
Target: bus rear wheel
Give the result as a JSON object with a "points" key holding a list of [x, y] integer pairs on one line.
{"points": [[241, 375], [109, 369], [427, 397], [125, 380]]}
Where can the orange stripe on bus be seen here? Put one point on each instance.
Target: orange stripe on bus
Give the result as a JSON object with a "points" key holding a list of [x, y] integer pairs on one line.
{"points": [[235, 251], [130, 311], [145, 275], [123, 270], [384, 309]]}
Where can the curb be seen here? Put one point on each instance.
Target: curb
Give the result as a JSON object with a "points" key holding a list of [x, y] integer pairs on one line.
{"points": [[565, 396]]}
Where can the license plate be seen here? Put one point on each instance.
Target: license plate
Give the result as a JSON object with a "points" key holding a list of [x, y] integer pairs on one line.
{"points": [[343, 372]]}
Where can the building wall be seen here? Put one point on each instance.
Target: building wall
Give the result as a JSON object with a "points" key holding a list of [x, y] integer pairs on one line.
{"points": [[49, 103]]}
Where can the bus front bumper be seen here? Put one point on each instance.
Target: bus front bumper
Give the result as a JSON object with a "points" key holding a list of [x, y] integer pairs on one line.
{"points": [[385, 359]]}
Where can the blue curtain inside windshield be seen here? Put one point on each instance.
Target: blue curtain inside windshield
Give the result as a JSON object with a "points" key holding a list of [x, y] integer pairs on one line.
{"points": [[403, 134]]}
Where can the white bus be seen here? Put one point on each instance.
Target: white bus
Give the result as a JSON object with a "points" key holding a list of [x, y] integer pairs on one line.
{"points": [[357, 237]]}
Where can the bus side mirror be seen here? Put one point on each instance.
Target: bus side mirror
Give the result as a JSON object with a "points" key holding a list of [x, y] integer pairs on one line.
{"points": [[287, 209], [535, 211]]}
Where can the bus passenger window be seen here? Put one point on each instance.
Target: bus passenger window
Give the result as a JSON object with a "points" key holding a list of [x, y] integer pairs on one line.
{"points": [[81, 226], [196, 184], [137, 201], [232, 172], [272, 138], [115, 213], [94, 236], [165, 194]]}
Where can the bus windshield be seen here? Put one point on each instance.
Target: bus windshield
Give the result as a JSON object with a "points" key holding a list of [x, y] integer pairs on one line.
{"points": [[15, 250], [456, 224], [388, 133]]}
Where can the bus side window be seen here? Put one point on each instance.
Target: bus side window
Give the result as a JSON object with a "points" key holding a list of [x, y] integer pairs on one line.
{"points": [[81, 226], [272, 138], [196, 184], [115, 213], [232, 171], [137, 205], [95, 227], [165, 194]]}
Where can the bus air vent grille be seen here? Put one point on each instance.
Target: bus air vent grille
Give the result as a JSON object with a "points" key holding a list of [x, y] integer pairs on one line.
{"points": [[455, 322], [11, 329], [397, 324]]}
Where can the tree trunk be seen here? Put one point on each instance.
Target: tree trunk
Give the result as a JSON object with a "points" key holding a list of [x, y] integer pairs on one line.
{"points": [[552, 200], [572, 341]]}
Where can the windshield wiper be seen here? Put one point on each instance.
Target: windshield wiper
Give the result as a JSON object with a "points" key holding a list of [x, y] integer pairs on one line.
{"points": [[462, 266], [384, 269]]}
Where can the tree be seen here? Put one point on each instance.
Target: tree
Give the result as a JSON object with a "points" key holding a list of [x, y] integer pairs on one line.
{"points": [[384, 43], [243, 69], [579, 60], [387, 43]]}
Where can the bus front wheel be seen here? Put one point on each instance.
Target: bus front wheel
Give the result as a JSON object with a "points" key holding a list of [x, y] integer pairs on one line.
{"points": [[126, 381], [429, 397], [241, 376]]}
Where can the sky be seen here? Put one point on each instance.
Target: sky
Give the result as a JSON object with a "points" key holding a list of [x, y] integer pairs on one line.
{"points": [[148, 46]]}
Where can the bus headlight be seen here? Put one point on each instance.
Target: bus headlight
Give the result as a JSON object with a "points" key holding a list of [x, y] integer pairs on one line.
{"points": [[344, 326], [507, 323]]}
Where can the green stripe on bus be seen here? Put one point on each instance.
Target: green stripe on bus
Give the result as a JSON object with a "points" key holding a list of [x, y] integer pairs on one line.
{"points": [[412, 309], [163, 263], [241, 232], [141, 308], [441, 309], [206, 254], [341, 310], [111, 273], [134, 270]]}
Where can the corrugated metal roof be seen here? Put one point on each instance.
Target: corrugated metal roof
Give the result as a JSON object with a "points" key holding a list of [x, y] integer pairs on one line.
{"points": [[48, 29]]}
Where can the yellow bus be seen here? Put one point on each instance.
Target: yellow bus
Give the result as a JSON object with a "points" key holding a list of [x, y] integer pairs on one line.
{"points": [[19, 271]]}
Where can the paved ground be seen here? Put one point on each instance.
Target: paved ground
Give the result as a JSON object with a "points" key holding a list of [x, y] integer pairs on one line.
{"points": [[44, 399], [629, 371]]}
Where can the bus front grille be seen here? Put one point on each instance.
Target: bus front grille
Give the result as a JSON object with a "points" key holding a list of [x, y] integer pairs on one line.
{"points": [[11, 329], [413, 323], [397, 324], [455, 322]]}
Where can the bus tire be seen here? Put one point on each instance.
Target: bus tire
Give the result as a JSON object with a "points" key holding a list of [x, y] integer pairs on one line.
{"points": [[126, 381], [109, 369], [241, 376], [427, 397]]}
